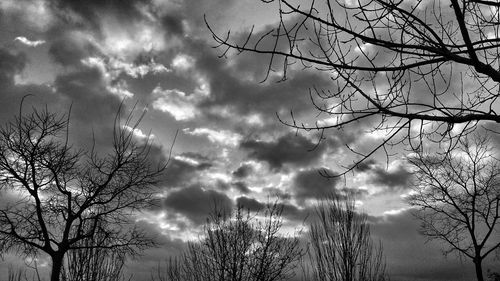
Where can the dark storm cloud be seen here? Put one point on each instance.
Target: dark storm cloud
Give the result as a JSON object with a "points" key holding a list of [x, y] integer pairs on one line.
{"points": [[157, 158], [395, 179], [87, 89], [180, 172], [222, 185], [310, 184], [251, 204], [197, 203], [294, 213], [276, 192], [173, 24], [93, 106], [287, 149], [90, 10], [241, 187], [11, 95], [366, 165], [243, 171], [255, 67], [70, 42], [79, 35], [250, 97], [234, 85], [289, 211], [10, 65], [68, 49]]}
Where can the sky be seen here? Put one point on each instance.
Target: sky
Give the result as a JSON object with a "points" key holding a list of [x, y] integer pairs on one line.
{"points": [[157, 56]]}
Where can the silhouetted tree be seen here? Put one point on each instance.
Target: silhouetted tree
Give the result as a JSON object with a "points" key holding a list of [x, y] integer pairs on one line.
{"points": [[238, 247], [341, 248], [89, 263], [62, 196], [412, 70], [458, 197]]}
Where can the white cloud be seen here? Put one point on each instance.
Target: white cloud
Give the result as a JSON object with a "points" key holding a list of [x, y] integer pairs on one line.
{"points": [[127, 41], [182, 62], [187, 160], [120, 90], [39, 262], [138, 133], [330, 121], [181, 106], [28, 42], [169, 225], [395, 212], [112, 68], [203, 89], [136, 71], [254, 119], [223, 137], [363, 48], [219, 177]]}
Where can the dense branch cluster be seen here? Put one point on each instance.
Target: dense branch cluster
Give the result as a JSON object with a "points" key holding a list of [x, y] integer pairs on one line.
{"points": [[459, 199], [239, 247], [61, 197], [411, 69], [341, 244]]}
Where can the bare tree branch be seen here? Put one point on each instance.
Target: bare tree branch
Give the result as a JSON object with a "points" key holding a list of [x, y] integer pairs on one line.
{"points": [[238, 247], [458, 198], [64, 198], [401, 64], [341, 246]]}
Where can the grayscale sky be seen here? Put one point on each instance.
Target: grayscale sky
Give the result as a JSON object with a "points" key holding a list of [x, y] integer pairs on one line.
{"points": [[158, 55]]}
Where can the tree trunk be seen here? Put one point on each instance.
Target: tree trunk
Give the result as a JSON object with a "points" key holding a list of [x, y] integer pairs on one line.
{"points": [[57, 263], [479, 270]]}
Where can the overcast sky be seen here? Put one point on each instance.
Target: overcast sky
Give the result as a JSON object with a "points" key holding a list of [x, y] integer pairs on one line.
{"points": [[158, 55]]}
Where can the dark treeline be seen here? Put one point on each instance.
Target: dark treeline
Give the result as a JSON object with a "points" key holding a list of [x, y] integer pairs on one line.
{"points": [[75, 206], [250, 247]]}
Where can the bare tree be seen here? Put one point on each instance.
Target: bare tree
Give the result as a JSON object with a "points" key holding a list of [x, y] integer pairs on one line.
{"points": [[89, 263], [341, 248], [239, 247], [458, 198], [410, 69], [62, 196]]}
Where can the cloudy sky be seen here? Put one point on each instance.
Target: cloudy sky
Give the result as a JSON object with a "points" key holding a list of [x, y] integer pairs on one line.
{"points": [[158, 55]]}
